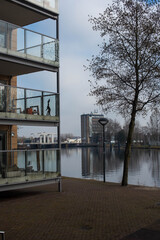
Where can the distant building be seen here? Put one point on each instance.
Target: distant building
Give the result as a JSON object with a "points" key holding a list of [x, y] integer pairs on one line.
{"points": [[73, 140], [46, 138], [91, 130]]}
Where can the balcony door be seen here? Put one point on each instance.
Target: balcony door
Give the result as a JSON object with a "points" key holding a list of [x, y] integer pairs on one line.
{"points": [[2, 140]]}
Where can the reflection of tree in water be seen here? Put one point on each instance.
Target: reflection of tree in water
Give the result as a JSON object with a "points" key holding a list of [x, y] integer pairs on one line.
{"points": [[144, 167], [114, 160], [135, 161], [149, 158], [141, 156], [155, 156]]}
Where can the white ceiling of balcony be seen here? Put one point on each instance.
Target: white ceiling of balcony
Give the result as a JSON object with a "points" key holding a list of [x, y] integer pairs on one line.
{"points": [[19, 14]]}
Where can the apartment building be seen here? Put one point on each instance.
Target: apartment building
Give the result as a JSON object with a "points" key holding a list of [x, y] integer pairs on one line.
{"points": [[91, 130], [22, 52]]}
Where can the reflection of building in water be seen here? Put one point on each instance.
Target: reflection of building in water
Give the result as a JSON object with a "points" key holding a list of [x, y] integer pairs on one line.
{"points": [[92, 162], [85, 162], [91, 130]]}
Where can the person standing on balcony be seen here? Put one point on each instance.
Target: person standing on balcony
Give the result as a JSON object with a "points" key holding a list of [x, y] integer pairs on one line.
{"points": [[48, 109]]}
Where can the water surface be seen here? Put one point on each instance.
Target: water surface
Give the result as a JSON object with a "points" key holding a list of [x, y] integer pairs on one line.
{"points": [[144, 167]]}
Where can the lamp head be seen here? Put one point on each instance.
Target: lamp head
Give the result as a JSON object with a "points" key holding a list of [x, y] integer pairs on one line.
{"points": [[103, 121]]}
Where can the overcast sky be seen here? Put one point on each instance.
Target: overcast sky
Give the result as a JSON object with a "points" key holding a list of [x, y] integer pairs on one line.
{"points": [[78, 42]]}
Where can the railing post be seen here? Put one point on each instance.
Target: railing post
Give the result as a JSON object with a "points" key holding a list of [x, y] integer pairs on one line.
{"points": [[2, 233], [42, 103], [5, 100], [25, 43], [26, 163], [56, 51], [43, 161], [57, 104], [59, 185], [42, 49], [25, 103], [6, 37]]}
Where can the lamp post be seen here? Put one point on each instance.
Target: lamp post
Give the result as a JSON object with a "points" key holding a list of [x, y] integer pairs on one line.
{"points": [[103, 122]]}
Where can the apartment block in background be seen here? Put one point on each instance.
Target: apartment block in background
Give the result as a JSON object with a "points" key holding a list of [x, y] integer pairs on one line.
{"points": [[23, 51], [91, 130]]}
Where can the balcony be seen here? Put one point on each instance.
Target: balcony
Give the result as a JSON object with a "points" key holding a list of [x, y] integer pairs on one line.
{"points": [[27, 106], [20, 46], [28, 167], [25, 12], [51, 5]]}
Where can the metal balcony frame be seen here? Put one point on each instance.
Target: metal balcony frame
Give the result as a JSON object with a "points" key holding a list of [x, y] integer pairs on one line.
{"points": [[23, 185], [19, 121], [29, 61], [33, 183], [36, 66]]}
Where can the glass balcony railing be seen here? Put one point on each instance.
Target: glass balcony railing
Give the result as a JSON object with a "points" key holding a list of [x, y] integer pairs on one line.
{"points": [[51, 5], [28, 104], [18, 166], [28, 44]]}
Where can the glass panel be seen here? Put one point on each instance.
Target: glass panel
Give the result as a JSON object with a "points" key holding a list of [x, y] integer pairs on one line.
{"points": [[12, 37], [28, 101], [50, 164], [32, 39], [52, 5], [19, 102], [2, 98], [3, 34], [21, 160], [50, 105], [34, 51], [33, 93], [33, 102], [31, 165], [48, 48], [22, 40], [34, 161], [49, 51]]}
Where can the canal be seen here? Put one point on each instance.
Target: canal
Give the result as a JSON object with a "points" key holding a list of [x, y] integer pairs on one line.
{"points": [[144, 167]]}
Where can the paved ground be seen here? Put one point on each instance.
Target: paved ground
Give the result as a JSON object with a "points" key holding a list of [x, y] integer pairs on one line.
{"points": [[85, 210]]}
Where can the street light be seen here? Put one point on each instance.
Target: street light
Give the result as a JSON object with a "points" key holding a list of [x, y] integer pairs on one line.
{"points": [[103, 122]]}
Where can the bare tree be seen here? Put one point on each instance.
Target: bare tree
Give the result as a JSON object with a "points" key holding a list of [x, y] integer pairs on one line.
{"points": [[113, 127], [126, 72]]}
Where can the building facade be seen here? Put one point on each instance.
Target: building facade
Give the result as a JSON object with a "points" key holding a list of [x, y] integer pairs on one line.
{"points": [[91, 130], [23, 51]]}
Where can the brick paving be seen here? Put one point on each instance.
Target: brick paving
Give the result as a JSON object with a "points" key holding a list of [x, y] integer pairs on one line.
{"points": [[85, 210]]}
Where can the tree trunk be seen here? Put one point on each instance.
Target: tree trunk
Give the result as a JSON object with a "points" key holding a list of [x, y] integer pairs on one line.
{"points": [[128, 149], [133, 114]]}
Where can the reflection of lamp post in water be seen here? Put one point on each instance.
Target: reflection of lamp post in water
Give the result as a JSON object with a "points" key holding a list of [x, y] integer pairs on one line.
{"points": [[103, 122]]}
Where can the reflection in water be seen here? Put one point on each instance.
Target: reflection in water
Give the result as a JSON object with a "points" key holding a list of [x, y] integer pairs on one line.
{"points": [[144, 167]]}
